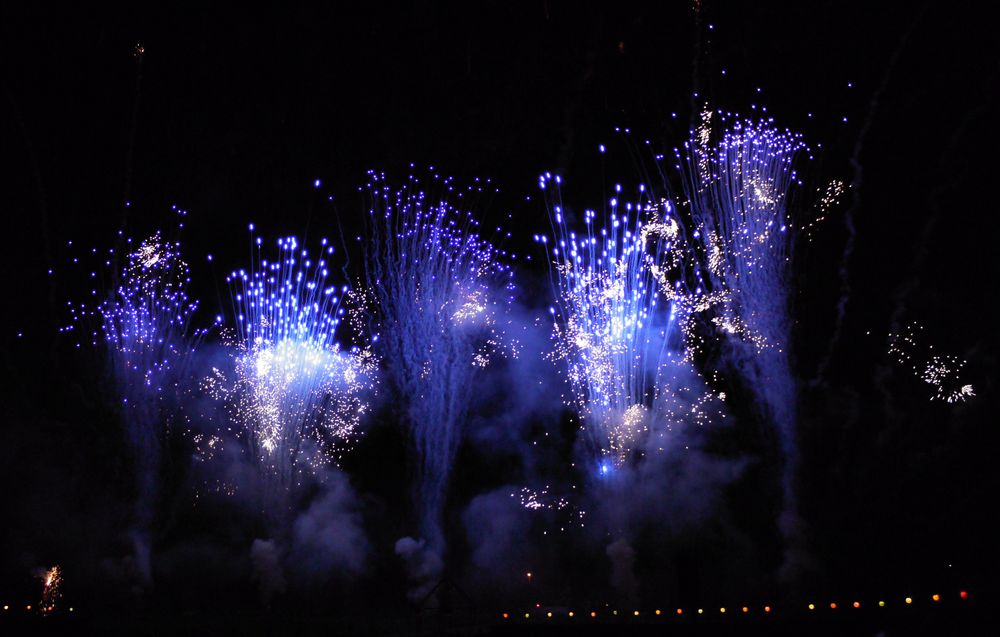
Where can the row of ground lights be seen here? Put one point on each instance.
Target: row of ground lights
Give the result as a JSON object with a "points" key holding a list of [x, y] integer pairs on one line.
{"points": [[28, 607], [746, 609]]}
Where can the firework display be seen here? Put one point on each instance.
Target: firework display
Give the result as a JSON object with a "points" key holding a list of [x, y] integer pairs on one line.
{"points": [[657, 303]]}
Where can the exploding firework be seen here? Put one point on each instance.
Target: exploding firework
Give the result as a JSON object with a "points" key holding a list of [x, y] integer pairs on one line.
{"points": [[295, 394], [440, 294]]}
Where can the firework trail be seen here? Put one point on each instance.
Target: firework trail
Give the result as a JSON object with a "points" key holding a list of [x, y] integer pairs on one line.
{"points": [[738, 186], [144, 326], [438, 291], [295, 395]]}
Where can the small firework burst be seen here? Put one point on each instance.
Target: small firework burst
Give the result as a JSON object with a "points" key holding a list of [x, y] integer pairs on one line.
{"points": [[51, 593], [943, 372]]}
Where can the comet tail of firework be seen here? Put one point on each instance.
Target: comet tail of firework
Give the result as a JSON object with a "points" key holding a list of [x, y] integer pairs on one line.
{"points": [[441, 293]]}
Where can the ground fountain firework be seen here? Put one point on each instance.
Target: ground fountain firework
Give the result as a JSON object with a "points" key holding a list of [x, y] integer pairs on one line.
{"points": [[439, 292], [738, 184], [143, 322], [627, 291], [295, 396]]}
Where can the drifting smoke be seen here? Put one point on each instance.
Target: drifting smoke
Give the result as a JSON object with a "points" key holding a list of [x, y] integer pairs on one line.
{"points": [[623, 568], [424, 566], [267, 571], [328, 538]]}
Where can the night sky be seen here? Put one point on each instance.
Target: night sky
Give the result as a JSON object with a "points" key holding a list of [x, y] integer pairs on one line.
{"points": [[234, 115]]}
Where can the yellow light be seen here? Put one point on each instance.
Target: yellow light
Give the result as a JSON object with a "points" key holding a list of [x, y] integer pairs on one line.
{"points": [[527, 615], [71, 609], [746, 610], [570, 613], [701, 611], [549, 614], [936, 597], [909, 600], [881, 604], [28, 607], [812, 606], [722, 610], [5, 607], [636, 613]]}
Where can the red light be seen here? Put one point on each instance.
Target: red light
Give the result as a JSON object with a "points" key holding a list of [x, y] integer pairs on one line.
{"points": [[964, 594], [680, 611], [767, 609], [857, 604], [505, 615], [593, 614], [746, 610], [833, 605]]}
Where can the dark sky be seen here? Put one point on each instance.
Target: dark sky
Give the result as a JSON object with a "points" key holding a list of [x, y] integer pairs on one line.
{"points": [[232, 115]]}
